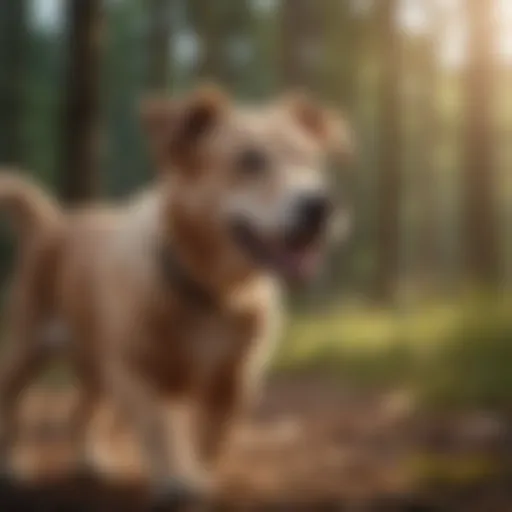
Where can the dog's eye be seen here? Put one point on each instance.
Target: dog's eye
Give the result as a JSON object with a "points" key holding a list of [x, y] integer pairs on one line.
{"points": [[252, 162]]}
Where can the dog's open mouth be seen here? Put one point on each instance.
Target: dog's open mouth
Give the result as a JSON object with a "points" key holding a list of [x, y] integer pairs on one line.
{"points": [[297, 257]]}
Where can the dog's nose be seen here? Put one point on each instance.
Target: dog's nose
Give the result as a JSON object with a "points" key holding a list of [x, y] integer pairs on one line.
{"points": [[313, 211]]}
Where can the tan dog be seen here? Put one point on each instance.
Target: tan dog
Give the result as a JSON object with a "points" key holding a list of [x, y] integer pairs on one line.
{"points": [[170, 303]]}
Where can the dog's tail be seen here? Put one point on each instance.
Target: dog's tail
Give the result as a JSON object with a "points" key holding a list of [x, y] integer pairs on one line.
{"points": [[31, 209]]}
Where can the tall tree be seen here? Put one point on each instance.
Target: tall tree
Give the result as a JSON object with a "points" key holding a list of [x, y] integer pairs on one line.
{"points": [[204, 17], [12, 37], [125, 162], [389, 193], [480, 222], [159, 44], [342, 35], [220, 27], [425, 194], [241, 45], [301, 42], [342, 31], [79, 166], [264, 31]]}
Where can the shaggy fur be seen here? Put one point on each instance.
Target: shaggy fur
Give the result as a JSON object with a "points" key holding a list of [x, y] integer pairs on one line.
{"points": [[90, 281]]}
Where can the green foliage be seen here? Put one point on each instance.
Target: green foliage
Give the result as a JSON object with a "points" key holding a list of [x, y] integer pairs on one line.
{"points": [[473, 364], [456, 353]]}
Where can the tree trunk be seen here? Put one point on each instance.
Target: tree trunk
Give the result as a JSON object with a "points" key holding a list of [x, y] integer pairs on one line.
{"points": [[301, 48], [340, 82], [342, 53], [206, 17], [79, 172], [219, 24], [480, 222], [12, 37], [159, 44], [389, 187], [427, 183]]}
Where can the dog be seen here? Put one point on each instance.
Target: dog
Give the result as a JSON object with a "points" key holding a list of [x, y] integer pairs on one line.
{"points": [[170, 303]]}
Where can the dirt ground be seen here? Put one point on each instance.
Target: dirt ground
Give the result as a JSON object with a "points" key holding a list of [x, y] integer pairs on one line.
{"points": [[311, 445]]}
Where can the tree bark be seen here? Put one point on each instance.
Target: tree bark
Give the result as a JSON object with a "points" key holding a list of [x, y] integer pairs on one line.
{"points": [[159, 44], [426, 146], [340, 83], [479, 198], [205, 17], [218, 24], [389, 186], [79, 172], [301, 49], [12, 39]]}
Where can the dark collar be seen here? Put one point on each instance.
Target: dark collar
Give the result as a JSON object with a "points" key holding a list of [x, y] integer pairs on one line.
{"points": [[179, 279]]}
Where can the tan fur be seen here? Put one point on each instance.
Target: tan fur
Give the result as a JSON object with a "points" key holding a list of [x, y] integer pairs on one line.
{"points": [[132, 336]]}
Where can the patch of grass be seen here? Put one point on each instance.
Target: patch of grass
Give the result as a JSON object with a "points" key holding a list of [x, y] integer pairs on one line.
{"points": [[457, 353], [474, 364], [427, 469]]}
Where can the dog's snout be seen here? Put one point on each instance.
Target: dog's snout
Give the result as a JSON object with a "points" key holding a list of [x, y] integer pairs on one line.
{"points": [[313, 210]]}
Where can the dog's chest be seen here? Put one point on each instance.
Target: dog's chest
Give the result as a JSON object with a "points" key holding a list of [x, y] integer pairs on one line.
{"points": [[213, 339], [188, 348]]}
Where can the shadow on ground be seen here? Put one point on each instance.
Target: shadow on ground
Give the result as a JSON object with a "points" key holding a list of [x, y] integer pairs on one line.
{"points": [[77, 494], [311, 446]]}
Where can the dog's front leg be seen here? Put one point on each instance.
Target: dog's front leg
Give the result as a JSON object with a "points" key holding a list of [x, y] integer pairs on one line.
{"points": [[222, 402], [235, 383], [166, 452]]}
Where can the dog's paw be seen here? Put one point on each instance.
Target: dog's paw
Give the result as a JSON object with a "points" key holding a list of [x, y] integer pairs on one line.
{"points": [[183, 493], [173, 496], [85, 473], [8, 485]]}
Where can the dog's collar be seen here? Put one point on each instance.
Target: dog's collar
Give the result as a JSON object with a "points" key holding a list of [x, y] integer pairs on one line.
{"points": [[180, 280]]}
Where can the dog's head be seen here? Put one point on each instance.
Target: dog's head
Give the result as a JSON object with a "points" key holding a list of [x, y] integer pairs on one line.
{"points": [[252, 176]]}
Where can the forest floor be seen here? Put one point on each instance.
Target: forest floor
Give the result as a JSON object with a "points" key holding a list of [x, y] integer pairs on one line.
{"points": [[311, 445]]}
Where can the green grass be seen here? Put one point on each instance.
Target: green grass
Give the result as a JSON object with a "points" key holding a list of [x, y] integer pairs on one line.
{"points": [[452, 353]]}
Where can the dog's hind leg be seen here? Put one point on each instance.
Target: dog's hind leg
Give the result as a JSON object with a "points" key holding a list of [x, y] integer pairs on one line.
{"points": [[24, 355], [85, 407], [19, 369]]}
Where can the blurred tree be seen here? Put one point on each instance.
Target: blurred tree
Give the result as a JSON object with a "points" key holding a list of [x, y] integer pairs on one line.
{"points": [[423, 197], [428, 180], [159, 44], [79, 166], [240, 47], [263, 76], [389, 193], [12, 39], [480, 229], [301, 45], [365, 116], [204, 17], [222, 28], [125, 166], [342, 31], [42, 102]]}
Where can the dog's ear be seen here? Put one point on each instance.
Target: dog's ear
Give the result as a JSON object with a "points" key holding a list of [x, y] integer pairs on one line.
{"points": [[328, 127], [176, 127]]}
